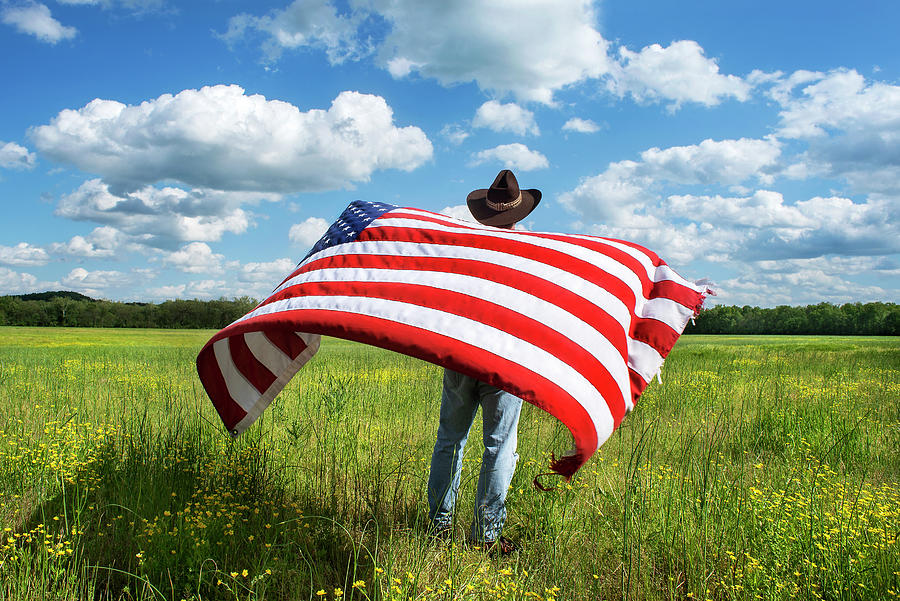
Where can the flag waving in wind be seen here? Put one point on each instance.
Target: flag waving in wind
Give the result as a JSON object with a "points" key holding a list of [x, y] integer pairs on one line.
{"points": [[576, 325]]}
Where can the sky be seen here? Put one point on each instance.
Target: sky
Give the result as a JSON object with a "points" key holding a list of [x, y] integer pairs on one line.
{"points": [[153, 149]]}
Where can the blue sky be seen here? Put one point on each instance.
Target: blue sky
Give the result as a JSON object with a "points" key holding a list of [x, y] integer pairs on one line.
{"points": [[152, 150]]}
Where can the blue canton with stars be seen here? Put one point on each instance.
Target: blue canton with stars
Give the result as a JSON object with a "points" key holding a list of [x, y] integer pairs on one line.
{"points": [[355, 218]]}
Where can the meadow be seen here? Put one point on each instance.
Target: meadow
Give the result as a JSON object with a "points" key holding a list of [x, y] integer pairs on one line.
{"points": [[759, 468]]}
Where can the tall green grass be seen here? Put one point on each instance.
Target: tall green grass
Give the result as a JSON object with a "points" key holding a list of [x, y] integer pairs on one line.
{"points": [[760, 468]]}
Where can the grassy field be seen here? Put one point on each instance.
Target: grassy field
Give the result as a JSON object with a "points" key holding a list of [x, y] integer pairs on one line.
{"points": [[761, 468]]}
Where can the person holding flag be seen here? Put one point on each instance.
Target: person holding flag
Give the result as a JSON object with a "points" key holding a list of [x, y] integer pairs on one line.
{"points": [[502, 205]]}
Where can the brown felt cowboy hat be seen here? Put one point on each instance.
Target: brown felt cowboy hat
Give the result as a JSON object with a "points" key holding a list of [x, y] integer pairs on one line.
{"points": [[503, 204]]}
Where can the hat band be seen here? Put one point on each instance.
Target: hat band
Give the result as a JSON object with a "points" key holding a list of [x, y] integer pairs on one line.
{"points": [[504, 206]]}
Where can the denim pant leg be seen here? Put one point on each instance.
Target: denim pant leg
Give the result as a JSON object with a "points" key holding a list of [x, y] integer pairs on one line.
{"points": [[458, 406], [500, 412]]}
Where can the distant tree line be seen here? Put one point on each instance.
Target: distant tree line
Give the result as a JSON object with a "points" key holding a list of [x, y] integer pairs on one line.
{"points": [[861, 319], [77, 310], [73, 309]]}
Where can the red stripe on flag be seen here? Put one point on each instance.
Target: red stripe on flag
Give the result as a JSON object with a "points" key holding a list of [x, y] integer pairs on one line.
{"points": [[674, 291], [214, 384], [287, 341], [256, 373], [637, 385], [657, 334]]}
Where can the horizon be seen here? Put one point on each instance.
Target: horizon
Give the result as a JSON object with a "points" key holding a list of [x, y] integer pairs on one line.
{"points": [[152, 151], [255, 299]]}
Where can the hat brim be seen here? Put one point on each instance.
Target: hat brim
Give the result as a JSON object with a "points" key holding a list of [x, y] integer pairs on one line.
{"points": [[485, 215]]}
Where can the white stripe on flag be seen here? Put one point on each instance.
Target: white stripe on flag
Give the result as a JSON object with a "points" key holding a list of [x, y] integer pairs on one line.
{"points": [[242, 391], [664, 272], [644, 359], [267, 353], [667, 311]]}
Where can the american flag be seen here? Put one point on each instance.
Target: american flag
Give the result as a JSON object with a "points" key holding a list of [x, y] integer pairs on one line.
{"points": [[576, 325]]}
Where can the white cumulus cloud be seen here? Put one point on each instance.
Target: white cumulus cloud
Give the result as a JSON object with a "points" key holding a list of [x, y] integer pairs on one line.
{"points": [[655, 201], [35, 19], [94, 283], [505, 118], [220, 138], [13, 156], [679, 72], [761, 227], [713, 161], [200, 289], [831, 225], [302, 24], [852, 126], [805, 284], [620, 192], [454, 133], [16, 282], [23, 254], [584, 126], [161, 217], [530, 50], [764, 226], [611, 196], [512, 156], [196, 257], [762, 209], [840, 100], [677, 243], [102, 242], [269, 273], [308, 232], [135, 6]]}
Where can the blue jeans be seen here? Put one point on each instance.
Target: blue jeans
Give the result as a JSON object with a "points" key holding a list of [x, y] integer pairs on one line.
{"points": [[500, 414]]}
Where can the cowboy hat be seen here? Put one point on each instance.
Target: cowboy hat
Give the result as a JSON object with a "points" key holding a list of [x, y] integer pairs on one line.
{"points": [[503, 204]]}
